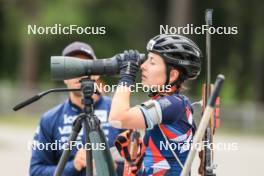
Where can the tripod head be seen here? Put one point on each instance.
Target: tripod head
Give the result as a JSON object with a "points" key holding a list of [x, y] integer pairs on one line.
{"points": [[88, 89]]}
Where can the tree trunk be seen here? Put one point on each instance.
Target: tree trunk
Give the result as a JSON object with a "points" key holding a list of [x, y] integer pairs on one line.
{"points": [[30, 54], [179, 12]]}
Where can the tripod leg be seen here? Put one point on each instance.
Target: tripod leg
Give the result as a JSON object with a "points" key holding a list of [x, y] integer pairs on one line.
{"points": [[99, 157], [66, 153], [107, 153], [89, 156], [103, 158]]}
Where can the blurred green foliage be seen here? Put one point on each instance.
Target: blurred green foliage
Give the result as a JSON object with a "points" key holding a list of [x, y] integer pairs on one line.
{"points": [[130, 24]]}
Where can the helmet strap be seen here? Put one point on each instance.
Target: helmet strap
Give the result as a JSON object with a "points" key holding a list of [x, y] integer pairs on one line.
{"points": [[155, 95], [168, 69], [174, 87], [181, 78]]}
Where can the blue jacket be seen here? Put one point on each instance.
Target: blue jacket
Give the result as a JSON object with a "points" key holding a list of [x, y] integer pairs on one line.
{"points": [[55, 127]]}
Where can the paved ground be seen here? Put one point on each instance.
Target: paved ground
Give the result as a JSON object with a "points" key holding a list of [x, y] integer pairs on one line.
{"points": [[14, 155], [247, 160]]}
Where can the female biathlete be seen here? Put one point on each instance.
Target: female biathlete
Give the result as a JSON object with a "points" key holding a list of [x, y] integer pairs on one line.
{"points": [[167, 117]]}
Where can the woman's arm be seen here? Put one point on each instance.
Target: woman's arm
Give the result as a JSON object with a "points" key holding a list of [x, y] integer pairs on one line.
{"points": [[121, 114]]}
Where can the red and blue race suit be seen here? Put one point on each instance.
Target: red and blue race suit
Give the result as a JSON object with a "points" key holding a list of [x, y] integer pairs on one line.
{"points": [[178, 126]]}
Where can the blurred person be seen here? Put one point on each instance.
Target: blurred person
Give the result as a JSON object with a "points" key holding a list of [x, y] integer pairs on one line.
{"points": [[167, 117], [56, 124]]}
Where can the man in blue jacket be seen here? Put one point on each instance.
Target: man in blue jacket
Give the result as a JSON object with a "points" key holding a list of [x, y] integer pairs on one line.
{"points": [[56, 125]]}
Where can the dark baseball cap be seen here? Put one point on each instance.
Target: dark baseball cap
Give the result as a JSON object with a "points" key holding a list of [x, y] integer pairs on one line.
{"points": [[78, 48]]}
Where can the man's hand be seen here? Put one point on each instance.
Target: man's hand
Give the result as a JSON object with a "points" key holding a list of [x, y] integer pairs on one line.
{"points": [[129, 66], [79, 161]]}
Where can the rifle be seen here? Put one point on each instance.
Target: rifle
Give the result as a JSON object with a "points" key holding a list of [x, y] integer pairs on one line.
{"points": [[206, 155], [203, 124], [210, 118]]}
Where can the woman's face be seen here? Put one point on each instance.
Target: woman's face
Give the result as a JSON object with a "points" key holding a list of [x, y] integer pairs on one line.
{"points": [[153, 71]]}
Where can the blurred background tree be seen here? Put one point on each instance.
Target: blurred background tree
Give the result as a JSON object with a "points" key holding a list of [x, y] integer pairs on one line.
{"points": [[25, 58]]}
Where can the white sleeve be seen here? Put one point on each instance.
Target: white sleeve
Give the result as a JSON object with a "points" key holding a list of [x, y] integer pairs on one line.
{"points": [[152, 113]]}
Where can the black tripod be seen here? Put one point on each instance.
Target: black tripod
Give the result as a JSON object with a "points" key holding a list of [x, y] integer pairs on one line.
{"points": [[103, 159], [93, 133]]}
